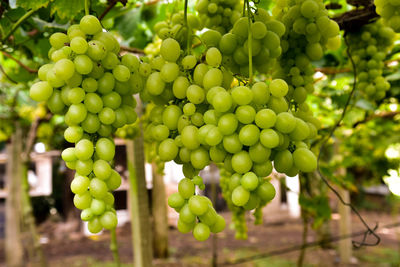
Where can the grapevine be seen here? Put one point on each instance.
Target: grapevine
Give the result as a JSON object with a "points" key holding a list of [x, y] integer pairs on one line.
{"points": [[89, 83]]}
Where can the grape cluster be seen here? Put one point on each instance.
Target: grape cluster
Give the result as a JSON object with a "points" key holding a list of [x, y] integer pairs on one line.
{"points": [[234, 46], [218, 15], [368, 55], [195, 212], [309, 31], [175, 27], [93, 87], [199, 118], [389, 10]]}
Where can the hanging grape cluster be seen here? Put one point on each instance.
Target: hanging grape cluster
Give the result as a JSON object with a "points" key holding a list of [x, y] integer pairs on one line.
{"points": [[265, 43], [176, 28], [219, 15], [368, 55], [200, 118], [389, 10], [93, 87]]}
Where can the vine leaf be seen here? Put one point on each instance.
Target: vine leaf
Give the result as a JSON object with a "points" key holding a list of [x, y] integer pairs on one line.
{"points": [[67, 8], [29, 4]]}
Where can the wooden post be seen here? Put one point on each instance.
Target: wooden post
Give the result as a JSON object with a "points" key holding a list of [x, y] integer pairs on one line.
{"points": [[345, 246], [13, 241], [160, 219], [139, 204]]}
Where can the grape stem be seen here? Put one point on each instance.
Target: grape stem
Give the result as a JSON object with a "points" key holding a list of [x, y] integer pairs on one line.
{"points": [[114, 248], [250, 43], [87, 7], [19, 62], [187, 27], [18, 23], [109, 7]]}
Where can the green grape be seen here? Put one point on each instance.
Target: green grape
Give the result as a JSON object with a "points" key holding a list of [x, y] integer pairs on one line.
{"points": [[170, 50], [185, 215], [176, 201], [68, 154], [64, 69], [84, 167], [266, 191], [167, 150], [83, 64], [155, 84], [79, 45], [201, 232], [80, 184], [97, 206], [93, 102], [90, 25], [41, 91], [241, 162], [240, 196], [94, 225], [249, 181], [82, 201], [58, 40], [198, 205], [121, 73], [269, 138], [186, 188], [265, 118], [169, 72], [304, 160], [76, 95], [109, 220], [242, 95], [249, 135], [73, 134], [98, 188], [105, 149], [213, 57], [114, 181], [84, 149]]}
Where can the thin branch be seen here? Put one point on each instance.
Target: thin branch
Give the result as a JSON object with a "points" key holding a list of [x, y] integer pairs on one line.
{"points": [[19, 62], [131, 49], [109, 7], [380, 115], [7, 76], [18, 23], [330, 70]]}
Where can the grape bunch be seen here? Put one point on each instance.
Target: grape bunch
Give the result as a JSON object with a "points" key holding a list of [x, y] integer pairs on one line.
{"points": [[93, 87], [234, 46], [309, 32], [389, 10], [175, 27], [198, 119], [218, 15], [368, 55]]}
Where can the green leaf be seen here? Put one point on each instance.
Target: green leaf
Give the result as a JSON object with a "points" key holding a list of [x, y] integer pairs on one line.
{"points": [[67, 8], [30, 4]]}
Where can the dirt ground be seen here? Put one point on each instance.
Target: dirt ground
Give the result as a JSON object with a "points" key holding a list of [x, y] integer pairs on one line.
{"points": [[74, 249]]}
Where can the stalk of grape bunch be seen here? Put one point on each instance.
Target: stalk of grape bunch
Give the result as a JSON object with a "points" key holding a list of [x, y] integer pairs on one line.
{"points": [[89, 83]]}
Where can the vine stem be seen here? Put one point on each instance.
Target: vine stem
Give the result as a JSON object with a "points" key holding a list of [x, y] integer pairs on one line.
{"points": [[188, 46], [250, 43], [18, 23], [87, 7], [369, 230], [114, 247], [19, 62]]}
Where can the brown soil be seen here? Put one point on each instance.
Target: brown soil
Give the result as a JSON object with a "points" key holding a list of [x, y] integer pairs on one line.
{"points": [[74, 248]]}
